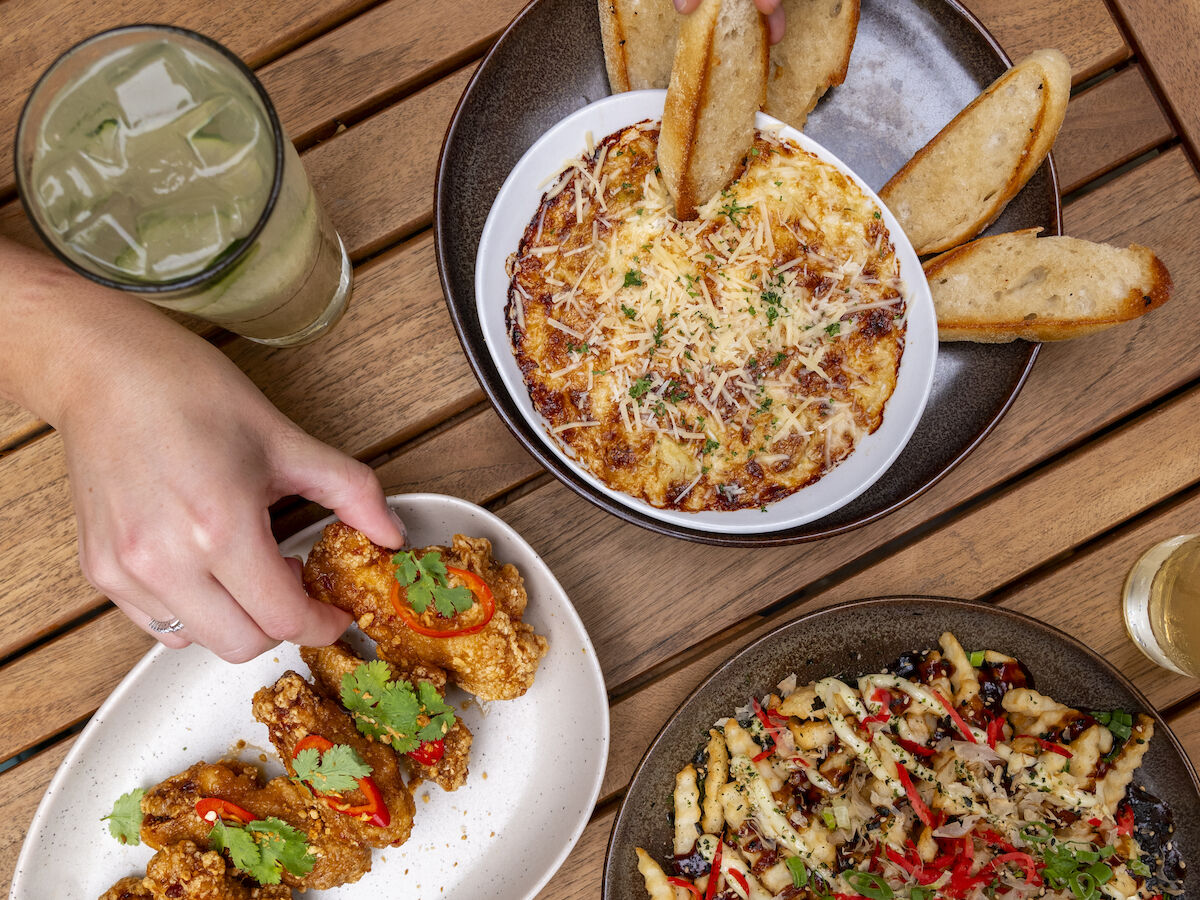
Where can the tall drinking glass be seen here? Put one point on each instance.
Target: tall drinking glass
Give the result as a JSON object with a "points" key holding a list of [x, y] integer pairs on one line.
{"points": [[1162, 604], [150, 159]]}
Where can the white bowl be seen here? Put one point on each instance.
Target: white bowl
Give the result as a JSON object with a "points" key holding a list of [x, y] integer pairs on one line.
{"points": [[518, 202]]}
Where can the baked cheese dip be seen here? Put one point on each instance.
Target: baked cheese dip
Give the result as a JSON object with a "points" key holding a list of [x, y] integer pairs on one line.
{"points": [[716, 364]]}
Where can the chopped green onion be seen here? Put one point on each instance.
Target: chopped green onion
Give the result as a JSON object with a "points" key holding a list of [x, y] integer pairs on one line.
{"points": [[868, 884], [830, 819], [977, 658], [798, 870]]}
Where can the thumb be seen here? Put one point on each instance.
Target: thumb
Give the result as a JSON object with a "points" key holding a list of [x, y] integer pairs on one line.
{"points": [[341, 483]]}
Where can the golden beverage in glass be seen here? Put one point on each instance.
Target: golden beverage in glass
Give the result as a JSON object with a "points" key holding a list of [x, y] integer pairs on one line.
{"points": [[150, 159], [1162, 604]]}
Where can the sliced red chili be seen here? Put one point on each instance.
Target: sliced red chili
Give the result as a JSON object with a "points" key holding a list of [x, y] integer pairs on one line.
{"points": [[884, 698], [1125, 821], [996, 840], [995, 731], [740, 879], [484, 598], [686, 885], [759, 757], [1023, 860], [1049, 746], [914, 798], [212, 808], [429, 752], [955, 717], [373, 812], [714, 874], [766, 723], [915, 748]]}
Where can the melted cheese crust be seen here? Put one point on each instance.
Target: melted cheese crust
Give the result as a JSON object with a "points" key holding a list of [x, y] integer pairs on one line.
{"points": [[717, 364]]}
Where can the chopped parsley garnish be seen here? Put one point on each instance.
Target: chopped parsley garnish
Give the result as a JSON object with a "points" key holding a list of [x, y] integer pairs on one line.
{"points": [[710, 445], [658, 332], [765, 405], [640, 387], [264, 848], [733, 209], [425, 581], [125, 820], [778, 358], [633, 278], [630, 312], [337, 769], [833, 329], [392, 710], [877, 214]]}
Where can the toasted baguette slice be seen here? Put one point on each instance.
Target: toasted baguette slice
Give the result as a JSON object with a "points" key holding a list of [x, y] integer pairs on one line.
{"points": [[812, 57], [639, 42], [718, 84], [1011, 286], [960, 181]]}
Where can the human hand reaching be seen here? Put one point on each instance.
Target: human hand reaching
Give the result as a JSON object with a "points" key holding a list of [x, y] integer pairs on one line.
{"points": [[772, 9], [174, 457]]}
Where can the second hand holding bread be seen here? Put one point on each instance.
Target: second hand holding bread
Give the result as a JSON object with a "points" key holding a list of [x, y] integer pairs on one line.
{"points": [[718, 84]]}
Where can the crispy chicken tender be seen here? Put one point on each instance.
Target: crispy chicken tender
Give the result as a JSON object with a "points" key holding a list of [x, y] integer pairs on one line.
{"points": [[185, 872], [498, 663], [330, 664], [169, 816], [292, 709], [128, 889]]}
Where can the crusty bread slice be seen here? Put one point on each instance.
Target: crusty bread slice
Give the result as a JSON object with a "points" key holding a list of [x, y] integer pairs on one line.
{"points": [[718, 84], [812, 57], [639, 42], [960, 181], [1011, 286]]}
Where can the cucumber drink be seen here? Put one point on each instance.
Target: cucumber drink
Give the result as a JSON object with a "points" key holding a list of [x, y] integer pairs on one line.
{"points": [[151, 160]]}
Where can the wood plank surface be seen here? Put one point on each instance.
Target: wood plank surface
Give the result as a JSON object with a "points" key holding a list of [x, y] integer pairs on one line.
{"points": [[1108, 125], [1167, 37], [21, 790], [1082, 29], [377, 57], [34, 33]]}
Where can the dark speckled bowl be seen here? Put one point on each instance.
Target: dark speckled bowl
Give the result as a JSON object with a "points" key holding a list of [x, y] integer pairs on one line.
{"points": [[864, 636], [915, 64]]}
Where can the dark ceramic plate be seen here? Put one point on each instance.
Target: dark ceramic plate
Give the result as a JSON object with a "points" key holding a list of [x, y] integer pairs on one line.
{"points": [[915, 64], [863, 636]]}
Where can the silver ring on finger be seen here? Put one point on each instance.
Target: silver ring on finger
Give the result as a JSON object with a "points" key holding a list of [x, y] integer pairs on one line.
{"points": [[160, 627]]}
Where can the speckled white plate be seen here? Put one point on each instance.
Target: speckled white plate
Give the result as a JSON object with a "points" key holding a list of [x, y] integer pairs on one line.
{"points": [[536, 762]]}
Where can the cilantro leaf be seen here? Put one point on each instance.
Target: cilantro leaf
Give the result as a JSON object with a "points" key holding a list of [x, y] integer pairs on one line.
{"points": [[264, 848], [125, 820], [393, 711], [426, 581], [337, 769]]}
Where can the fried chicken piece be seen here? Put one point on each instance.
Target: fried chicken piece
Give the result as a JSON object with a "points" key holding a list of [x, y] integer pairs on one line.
{"points": [[185, 872], [128, 889], [497, 663], [329, 664], [292, 709], [169, 816]]}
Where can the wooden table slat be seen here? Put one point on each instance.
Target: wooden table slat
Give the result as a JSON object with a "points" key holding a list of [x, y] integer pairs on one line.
{"points": [[1167, 35], [1082, 29]]}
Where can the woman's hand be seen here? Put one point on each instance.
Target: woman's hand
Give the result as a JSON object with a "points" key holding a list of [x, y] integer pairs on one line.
{"points": [[772, 9], [174, 456]]}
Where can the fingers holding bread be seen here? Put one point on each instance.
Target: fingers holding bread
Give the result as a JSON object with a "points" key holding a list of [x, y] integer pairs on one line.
{"points": [[1019, 286], [812, 57], [958, 183], [718, 83]]}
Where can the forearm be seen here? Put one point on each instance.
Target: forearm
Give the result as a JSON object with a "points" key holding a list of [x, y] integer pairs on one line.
{"points": [[61, 334]]}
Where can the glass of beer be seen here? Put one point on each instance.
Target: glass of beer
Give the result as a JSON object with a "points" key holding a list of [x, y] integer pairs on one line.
{"points": [[1162, 604], [150, 159]]}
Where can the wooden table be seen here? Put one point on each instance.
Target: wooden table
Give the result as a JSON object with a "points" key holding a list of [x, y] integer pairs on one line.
{"points": [[1097, 459]]}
